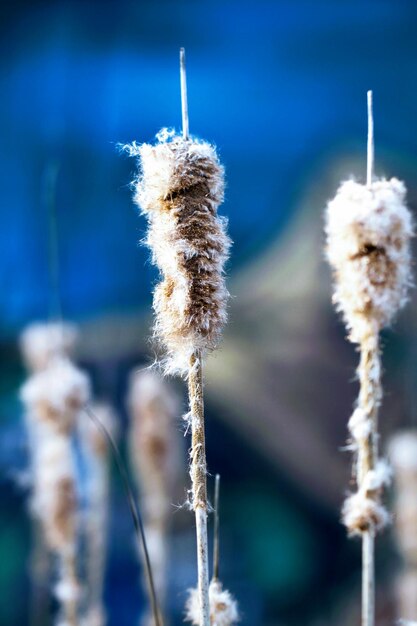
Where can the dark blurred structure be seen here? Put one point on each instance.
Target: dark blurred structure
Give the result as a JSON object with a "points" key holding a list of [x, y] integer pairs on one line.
{"points": [[281, 88]]}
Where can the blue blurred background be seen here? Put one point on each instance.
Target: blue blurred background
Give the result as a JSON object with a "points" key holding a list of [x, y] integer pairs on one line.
{"points": [[280, 88]]}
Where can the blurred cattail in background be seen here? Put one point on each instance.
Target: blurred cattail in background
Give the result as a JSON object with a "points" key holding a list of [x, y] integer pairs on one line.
{"points": [[403, 455], [155, 449], [53, 398], [40, 343], [368, 230], [96, 457]]}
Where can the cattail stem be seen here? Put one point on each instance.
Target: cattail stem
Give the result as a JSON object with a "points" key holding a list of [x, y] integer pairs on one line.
{"points": [[199, 481], [39, 573], [369, 399], [368, 578]]}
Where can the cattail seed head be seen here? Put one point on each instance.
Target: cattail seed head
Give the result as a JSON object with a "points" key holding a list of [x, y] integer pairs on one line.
{"points": [[223, 607], [155, 454], [179, 190], [368, 247], [56, 393], [54, 500], [155, 449], [52, 399], [42, 342]]}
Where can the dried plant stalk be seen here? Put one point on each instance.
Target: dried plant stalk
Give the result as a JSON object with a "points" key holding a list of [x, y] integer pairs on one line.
{"points": [[155, 457], [403, 455], [53, 398], [368, 247], [198, 472], [179, 190], [96, 455]]}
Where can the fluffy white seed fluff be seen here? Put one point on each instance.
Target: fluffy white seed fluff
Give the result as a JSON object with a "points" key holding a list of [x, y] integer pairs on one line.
{"points": [[42, 342], [223, 607], [363, 510], [179, 190], [361, 513], [360, 426], [368, 247], [57, 392]]}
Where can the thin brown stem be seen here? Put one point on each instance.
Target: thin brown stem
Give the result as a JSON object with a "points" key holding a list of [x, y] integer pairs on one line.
{"points": [[198, 473]]}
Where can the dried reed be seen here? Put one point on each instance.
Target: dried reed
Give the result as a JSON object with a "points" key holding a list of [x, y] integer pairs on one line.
{"points": [[368, 232], [179, 190]]}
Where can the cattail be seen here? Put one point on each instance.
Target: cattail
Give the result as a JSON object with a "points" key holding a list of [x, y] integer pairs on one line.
{"points": [[179, 190], [368, 232], [403, 455], [97, 468], [155, 458], [53, 398], [41, 342]]}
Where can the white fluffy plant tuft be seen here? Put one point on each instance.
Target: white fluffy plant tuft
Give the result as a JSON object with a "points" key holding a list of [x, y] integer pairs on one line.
{"points": [[368, 246], [179, 188], [223, 607], [43, 341]]}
